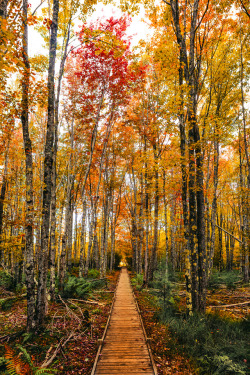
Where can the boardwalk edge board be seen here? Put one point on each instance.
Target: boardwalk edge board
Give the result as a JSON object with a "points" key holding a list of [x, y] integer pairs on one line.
{"points": [[145, 335], [101, 341]]}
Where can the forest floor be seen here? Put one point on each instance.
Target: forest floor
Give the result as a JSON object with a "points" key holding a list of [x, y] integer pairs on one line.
{"points": [[69, 341], [72, 330], [164, 346], [214, 344]]}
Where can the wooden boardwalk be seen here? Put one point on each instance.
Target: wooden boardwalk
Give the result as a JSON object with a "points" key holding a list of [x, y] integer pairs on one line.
{"points": [[124, 350]]}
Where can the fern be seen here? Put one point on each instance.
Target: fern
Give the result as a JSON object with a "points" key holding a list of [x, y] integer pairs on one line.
{"points": [[15, 365], [44, 371], [18, 366], [27, 337], [35, 370], [26, 356], [224, 365]]}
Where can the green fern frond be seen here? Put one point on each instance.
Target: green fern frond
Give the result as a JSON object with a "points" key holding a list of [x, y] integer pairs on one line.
{"points": [[26, 356], [45, 371]]}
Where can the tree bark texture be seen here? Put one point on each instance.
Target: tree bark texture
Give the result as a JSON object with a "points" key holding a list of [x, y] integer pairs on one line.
{"points": [[47, 179], [190, 72], [29, 222]]}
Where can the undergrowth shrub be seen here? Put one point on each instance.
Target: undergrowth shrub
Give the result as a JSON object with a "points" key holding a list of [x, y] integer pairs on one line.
{"points": [[224, 365], [137, 281], [80, 287], [6, 304], [163, 288], [220, 346], [6, 281], [93, 273], [228, 278]]}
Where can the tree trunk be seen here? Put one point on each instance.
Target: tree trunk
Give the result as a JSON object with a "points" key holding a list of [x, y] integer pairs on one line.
{"points": [[220, 244], [146, 255], [104, 235], [91, 225], [54, 173], [140, 245], [29, 224], [153, 258], [246, 193], [165, 222], [48, 164], [3, 8], [82, 241], [214, 203], [243, 220], [2, 198], [190, 70], [173, 252], [62, 265]]}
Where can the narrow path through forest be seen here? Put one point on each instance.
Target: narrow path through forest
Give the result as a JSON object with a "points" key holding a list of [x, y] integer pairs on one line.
{"points": [[124, 350]]}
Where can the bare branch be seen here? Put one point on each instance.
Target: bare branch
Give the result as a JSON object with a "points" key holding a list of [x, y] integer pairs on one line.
{"points": [[234, 304], [38, 7], [166, 2], [244, 8], [203, 15]]}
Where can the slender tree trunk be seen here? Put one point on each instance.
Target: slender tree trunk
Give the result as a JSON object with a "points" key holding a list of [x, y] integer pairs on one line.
{"points": [[134, 242], [173, 252], [59, 240], [140, 246], [193, 222], [48, 164], [114, 219], [220, 244], [62, 264], [82, 242], [54, 173], [165, 222], [2, 198], [3, 9], [96, 254], [146, 255], [69, 228], [227, 246], [29, 224], [190, 70], [53, 224], [232, 244], [214, 203], [246, 208], [104, 233], [184, 191], [75, 238], [153, 258], [91, 225], [112, 250], [243, 220]]}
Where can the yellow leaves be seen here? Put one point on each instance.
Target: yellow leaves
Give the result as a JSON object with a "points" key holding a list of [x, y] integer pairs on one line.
{"points": [[130, 6], [39, 63], [3, 26]]}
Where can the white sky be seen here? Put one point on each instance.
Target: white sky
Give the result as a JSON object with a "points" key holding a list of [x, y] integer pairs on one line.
{"points": [[138, 29]]}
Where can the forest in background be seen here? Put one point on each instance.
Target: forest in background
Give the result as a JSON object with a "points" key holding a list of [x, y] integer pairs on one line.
{"points": [[111, 153]]}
